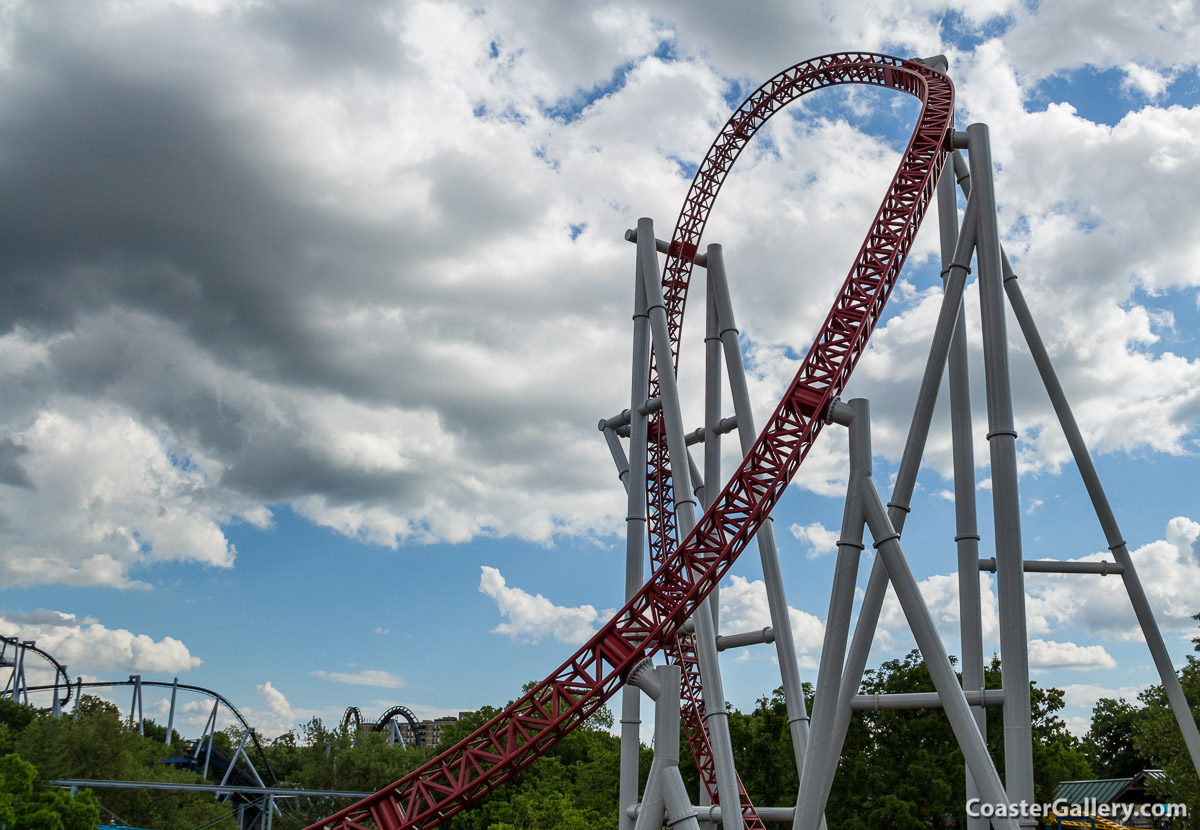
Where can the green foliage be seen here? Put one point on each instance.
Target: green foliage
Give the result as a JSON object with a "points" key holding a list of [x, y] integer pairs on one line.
{"points": [[1156, 738], [14, 715], [1057, 754], [899, 769], [100, 745], [1109, 742], [26, 806], [321, 758], [575, 785], [763, 748]]}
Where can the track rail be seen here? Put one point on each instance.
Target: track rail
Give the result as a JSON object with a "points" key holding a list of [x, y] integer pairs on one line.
{"points": [[689, 570], [159, 684], [726, 147], [60, 670], [355, 715]]}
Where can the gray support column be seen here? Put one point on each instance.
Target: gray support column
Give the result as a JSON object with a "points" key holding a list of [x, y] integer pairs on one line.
{"points": [[78, 694], [635, 535], [906, 478], [933, 652], [249, 763], [1091, 480], [233, 758], [785, 645], [712, 418], [1006, 506], [966, 536], [1108, 521], [679, 811], [922, 700], [685, 511], [712, 447], [171, 716], [135, 705], [666, 745], [19, 674], [618, 454], [210, 731], [820, 756], [651, 812]]}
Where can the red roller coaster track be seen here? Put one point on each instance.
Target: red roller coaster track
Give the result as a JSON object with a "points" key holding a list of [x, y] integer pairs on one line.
{"points": [[686, 572]]}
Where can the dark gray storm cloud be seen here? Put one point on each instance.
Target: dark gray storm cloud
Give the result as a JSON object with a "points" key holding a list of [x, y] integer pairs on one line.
{"points": [[167, 253], [11, 471]]}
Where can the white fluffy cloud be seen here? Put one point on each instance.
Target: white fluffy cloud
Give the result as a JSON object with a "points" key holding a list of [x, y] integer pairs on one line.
{"points": [[85, 645], [282, 715], [366, 677], [744, 608], [940, 592], [530, 617], [1085, 695], [104, 495], [1075, 33], [1048, 655], [820, 539]]}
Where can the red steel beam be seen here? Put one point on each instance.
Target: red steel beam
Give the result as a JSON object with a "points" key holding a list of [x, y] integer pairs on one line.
{"points": [[755, 111], [650, 622]]}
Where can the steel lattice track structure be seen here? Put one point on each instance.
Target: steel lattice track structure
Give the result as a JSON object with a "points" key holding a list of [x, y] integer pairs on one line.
{"points": [[687, 570]]}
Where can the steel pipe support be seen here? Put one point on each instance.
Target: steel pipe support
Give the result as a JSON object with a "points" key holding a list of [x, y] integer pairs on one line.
{"points": [[933, 652], [922, 700], [1006, 503], [785, 646], [749, 638], [685, 511], [914, 447], [664, 247], [635, 532], [1108, 521]]}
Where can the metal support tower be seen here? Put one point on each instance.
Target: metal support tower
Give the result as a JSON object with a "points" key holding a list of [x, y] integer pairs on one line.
{"points": [[708, 730], [670, 612], [976, 236], [841, 667]]}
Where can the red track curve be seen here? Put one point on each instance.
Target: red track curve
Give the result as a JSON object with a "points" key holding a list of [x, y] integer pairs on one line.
{"points": [[650, 621]]}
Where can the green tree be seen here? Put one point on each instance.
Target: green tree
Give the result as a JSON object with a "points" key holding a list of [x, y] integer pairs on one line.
{"points": [[763, 748], [100, 745], [1109, 742], [321, 758], [1156, 737], [575, 785], [898, 769], [26, 806]]}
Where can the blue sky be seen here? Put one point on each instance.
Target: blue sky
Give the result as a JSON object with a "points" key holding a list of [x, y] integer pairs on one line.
{"points": [[310, 313]]}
